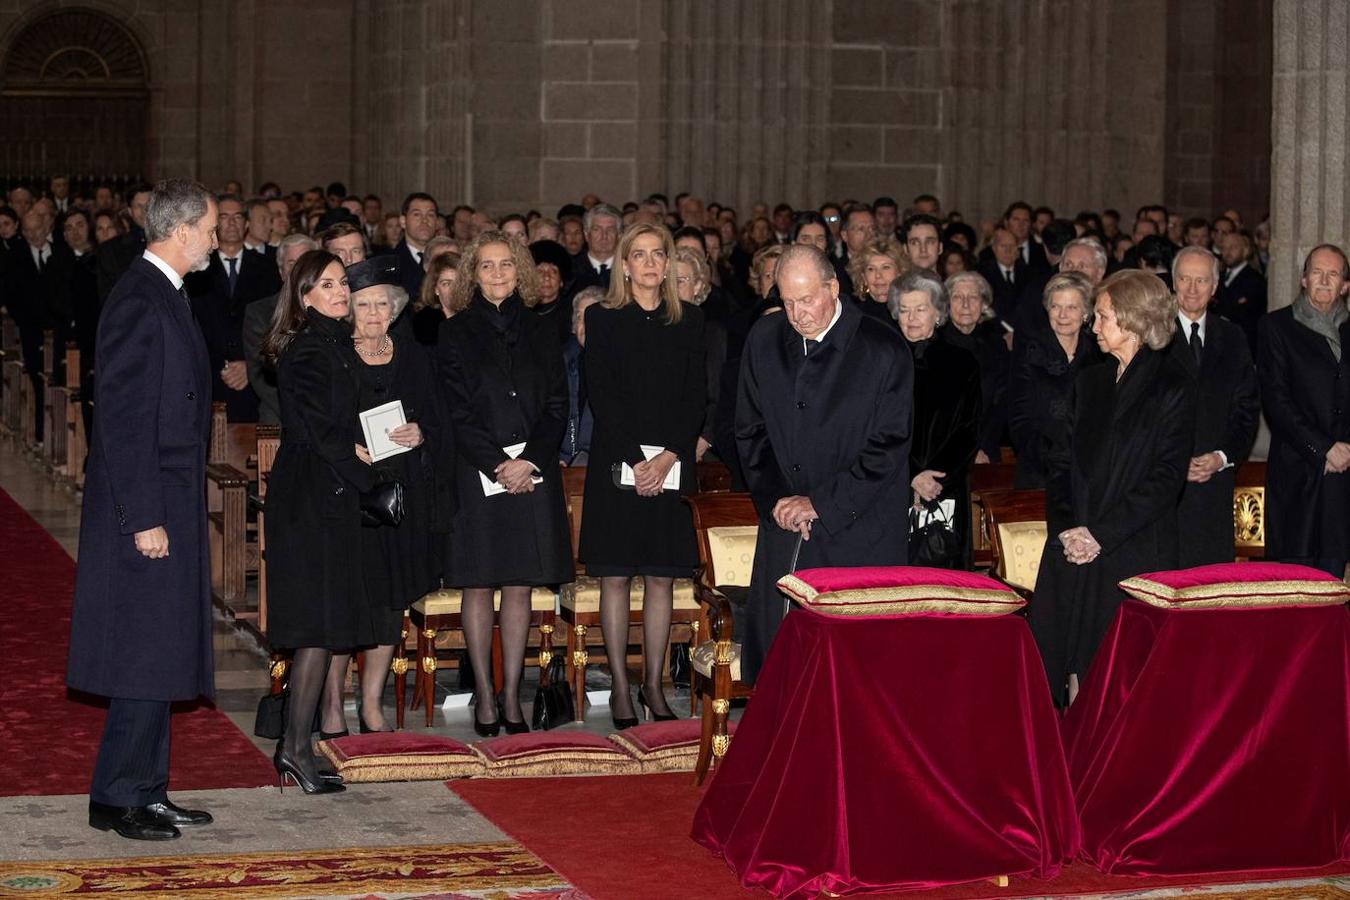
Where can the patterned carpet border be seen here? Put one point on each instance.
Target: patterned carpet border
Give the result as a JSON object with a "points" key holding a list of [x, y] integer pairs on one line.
{"points": [[496, 870]]}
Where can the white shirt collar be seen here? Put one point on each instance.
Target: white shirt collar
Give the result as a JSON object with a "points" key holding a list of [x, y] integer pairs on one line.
{"points": [[596, 264], [838, 311], [1185, 322], [1232, 273], [235, 256], [169, 273], [256, 248]]}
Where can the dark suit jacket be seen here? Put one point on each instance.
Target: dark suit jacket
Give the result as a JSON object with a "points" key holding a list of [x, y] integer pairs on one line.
{"points": [[39, 300], [410, 271], [116, 256], [221, 317], [1006, 296], [1227, 410], [584, 276], [140, 628], [1243, 302], [1306, 396], [835, 427], [262, 375]]}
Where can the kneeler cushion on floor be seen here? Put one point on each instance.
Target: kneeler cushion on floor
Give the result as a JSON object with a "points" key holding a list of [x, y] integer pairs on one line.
{"points": [[1211, 732], [664, 746], [556, 752], [401, 756]]}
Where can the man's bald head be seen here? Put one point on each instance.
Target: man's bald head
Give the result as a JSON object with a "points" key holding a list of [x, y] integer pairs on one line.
{"points": [[36, 227]]}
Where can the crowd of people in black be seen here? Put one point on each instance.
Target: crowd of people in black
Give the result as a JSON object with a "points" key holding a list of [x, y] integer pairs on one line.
{"points": [[1120, 364]]}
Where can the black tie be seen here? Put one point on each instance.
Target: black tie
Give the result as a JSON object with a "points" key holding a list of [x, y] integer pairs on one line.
{"points": [[811, 345], [234, 273], [182, 292], [1008, 275], [604, 270], [1196, 346]]}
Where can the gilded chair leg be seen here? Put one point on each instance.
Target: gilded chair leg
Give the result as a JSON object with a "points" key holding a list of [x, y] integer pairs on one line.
{"points": [[429, 672], [545, 650], [705, 740], [579, 675], [400, 667], [417, 672]]}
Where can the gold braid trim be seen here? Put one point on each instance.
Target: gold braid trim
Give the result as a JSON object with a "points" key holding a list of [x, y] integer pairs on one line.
{"points": [[394, 771], [915, 599], [562, 763], [1238, 594]]}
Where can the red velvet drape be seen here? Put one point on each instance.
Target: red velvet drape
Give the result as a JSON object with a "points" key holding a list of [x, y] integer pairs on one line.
{"points": [[1215, 740], [893, 753]]}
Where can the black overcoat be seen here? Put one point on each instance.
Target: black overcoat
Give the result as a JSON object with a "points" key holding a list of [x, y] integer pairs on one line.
{"points": [[502, 373], [1227, 412], [836, 427], [1118, 469], [315, 591], [221, 314], [1306, 396], [1039, 395], [988, 345], [141, 628]]}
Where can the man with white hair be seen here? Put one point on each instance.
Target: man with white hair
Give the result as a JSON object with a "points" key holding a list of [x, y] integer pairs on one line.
{"points": [[258, 318], [1228, 407], [823, 420]]}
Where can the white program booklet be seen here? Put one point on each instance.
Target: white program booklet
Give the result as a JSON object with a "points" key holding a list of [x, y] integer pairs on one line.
{"points": [[672, 482], [491, 487], [376, 423]]}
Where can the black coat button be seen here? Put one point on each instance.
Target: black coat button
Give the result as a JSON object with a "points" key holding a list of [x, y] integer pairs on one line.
{"points": [[337, 491], [801, 404], [192, 395], [510, 393], [796, 468]]}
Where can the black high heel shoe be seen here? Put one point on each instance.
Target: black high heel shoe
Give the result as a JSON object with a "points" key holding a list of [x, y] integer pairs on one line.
{"points": [[485, 729], [653, 716], [361, 723], [334, 735], [287, 768], [620, 724], [521, 727]]}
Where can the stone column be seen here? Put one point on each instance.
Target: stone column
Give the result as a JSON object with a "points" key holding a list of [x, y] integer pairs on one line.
{"points": [[1308, 135]]}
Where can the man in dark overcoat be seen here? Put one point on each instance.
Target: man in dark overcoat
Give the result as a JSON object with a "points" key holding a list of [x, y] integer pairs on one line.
{"points": [[1227, 410], [1304, 362], [823, 422], [141, 626]]}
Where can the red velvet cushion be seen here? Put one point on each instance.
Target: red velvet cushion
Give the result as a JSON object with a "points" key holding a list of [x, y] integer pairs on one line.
{"points": [[899, 591], [1238, 586], [557, 752], [400, 756], [664, 746]]}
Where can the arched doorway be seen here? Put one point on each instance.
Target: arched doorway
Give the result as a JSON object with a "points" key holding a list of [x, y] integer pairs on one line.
{"points": [[74, 100]]}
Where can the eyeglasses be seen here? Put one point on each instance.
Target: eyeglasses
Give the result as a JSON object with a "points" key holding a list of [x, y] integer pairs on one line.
{"points": [[832, 219]]}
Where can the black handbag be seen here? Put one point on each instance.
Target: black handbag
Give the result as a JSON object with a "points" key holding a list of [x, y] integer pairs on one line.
{"points": [[270, 721], [934, 543], [382, 505], [553, 700]]}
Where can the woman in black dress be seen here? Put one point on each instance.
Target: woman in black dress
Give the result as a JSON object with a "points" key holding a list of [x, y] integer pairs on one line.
{"points": [[1045, 364], [433, 303], [946, 407], [506, 389], [316, 590], [1114, 475], [396, 563], [972, 327], [646, 381]]}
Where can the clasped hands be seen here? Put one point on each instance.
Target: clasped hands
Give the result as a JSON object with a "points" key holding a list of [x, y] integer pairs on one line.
{"points": [[795, 514], [650, 475], [406, 435], [516, 475], [153, 543], [1080, 547], [1338, 458]]}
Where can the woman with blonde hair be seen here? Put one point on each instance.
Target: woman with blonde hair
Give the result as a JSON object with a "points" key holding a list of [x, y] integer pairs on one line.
{"points": [[506, 389], [873, 269], [1114, 475], [647, 386]]}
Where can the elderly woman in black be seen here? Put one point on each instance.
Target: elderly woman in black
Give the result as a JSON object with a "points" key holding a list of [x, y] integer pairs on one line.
{"points": [[1114, 475], [315, 581], [398, 564], [946, 408], [646, 380], [506, 389], [972, 327], [1045, 364]]}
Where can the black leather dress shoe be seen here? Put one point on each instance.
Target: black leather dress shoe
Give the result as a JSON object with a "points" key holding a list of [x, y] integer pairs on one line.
{"points": [[134, 822], [171, 814]]}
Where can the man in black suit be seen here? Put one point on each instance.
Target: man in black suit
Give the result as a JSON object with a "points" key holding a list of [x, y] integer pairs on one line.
{"points": [[37, 293], [591, 267], [1241, 298], [232, 279], [1304, 361], [419, 214], [1017, 219], [823, 419], [258, 229], [1006, 272], [140, 630], [1228, 408], [115, 257]]}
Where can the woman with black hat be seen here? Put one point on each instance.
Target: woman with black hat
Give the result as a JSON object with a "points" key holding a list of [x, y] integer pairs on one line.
{"points": [[554, 269], [398, 564]]}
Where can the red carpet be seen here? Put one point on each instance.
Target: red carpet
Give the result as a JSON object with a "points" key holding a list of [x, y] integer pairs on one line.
{"points": [[49, 736], [626, 837]]}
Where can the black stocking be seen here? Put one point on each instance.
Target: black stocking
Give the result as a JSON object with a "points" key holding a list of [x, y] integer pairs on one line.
{"points": [[332, 716], [374, 674], [658, 601], [476, 618], [308, 670], [614, 615], [515, 623]]}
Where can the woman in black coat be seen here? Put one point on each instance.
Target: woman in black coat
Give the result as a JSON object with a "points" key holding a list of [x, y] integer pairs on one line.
{"points": [[315, 584], [1304, 362], [946, 408], [398, 564], [1045, 364], [972, 327], [1115, 473], [506, 388], [646, 380]]}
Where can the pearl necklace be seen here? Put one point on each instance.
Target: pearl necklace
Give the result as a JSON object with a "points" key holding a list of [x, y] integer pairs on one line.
{"points": [[378, 351]]}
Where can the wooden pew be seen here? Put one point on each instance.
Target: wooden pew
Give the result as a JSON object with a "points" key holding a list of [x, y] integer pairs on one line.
{"points": [[77, 445], [11, 361], [984, 479], [229, 460]]}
